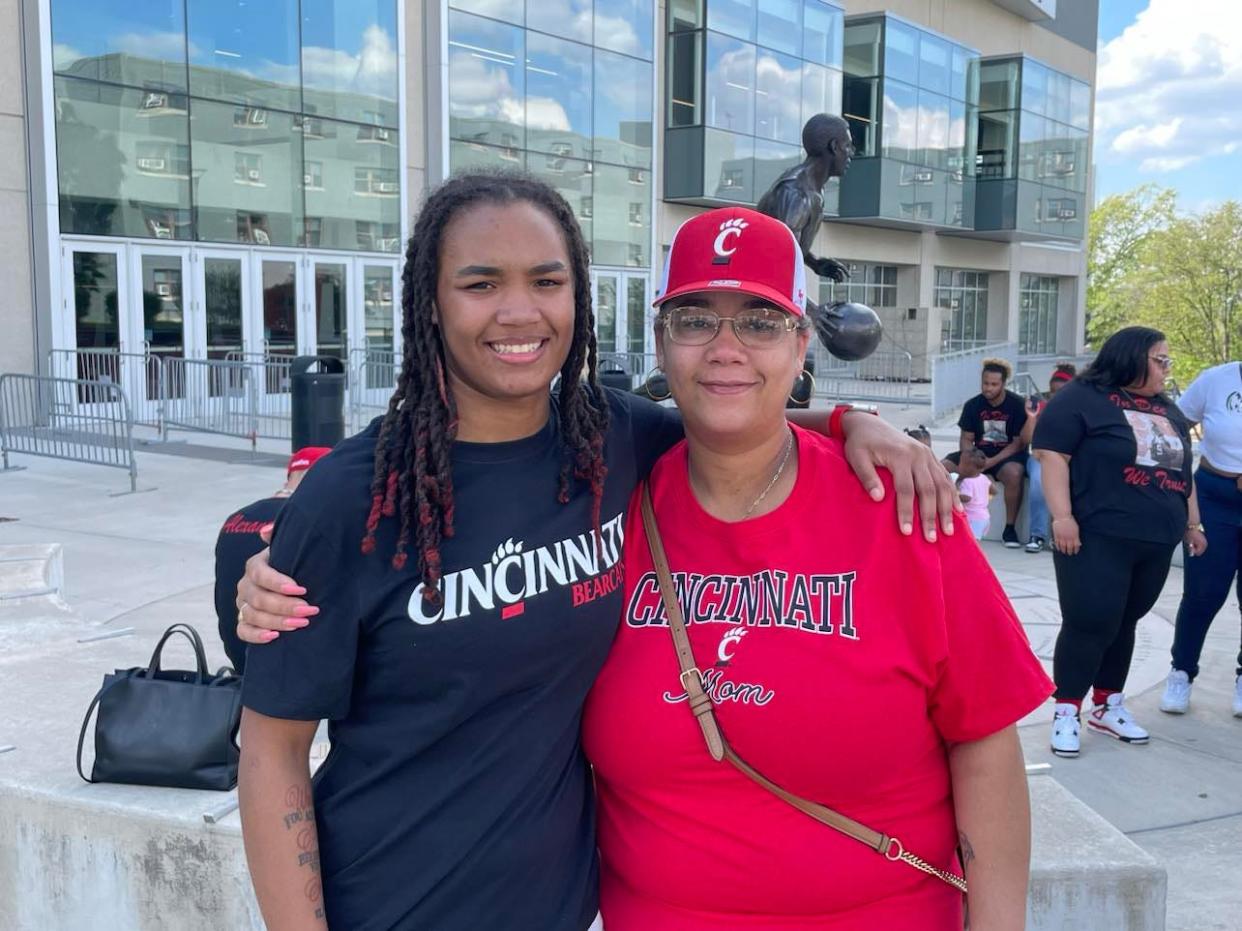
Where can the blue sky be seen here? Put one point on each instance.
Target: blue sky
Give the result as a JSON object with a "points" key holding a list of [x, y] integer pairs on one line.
{"points": [[1169, 98]]}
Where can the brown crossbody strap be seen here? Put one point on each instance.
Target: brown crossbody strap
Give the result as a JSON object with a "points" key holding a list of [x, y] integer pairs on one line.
{"points": [[701, 706]]}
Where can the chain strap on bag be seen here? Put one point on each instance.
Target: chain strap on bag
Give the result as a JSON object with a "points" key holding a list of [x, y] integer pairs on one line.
{"points": [[701, 707]]}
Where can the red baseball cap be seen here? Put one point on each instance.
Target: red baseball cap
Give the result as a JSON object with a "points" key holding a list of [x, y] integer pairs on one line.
{"points": [[306, 457], [736, 249]]}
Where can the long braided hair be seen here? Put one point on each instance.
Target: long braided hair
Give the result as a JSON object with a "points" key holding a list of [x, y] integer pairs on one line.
{"points": [[413, 481]]}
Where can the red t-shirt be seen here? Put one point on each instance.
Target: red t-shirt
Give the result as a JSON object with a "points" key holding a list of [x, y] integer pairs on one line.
{"points": [[841, 656]]}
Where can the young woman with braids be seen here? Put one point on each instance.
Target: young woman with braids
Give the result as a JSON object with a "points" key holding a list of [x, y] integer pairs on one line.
{"points": [[456, 794]]}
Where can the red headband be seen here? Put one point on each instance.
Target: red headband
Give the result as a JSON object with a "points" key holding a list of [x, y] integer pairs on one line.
{"points": [[1060, 375]]}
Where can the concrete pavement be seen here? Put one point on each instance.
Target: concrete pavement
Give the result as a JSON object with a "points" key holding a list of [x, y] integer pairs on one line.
{"points": [[144, 561]]}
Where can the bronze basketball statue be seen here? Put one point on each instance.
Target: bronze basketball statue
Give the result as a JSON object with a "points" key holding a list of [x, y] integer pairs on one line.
{"points": [[850, 331]]}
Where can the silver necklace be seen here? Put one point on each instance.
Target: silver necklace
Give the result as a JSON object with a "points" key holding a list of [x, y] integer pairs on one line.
{"points": [[775, 478]]}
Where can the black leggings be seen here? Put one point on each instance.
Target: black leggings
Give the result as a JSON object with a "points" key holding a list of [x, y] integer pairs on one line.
{"points": [[1104, 590]]}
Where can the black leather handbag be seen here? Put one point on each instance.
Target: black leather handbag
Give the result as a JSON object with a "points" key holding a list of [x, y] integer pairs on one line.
{"points": [[166, 727]]}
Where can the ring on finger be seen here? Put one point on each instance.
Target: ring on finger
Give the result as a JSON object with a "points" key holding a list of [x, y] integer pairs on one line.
{"points": [[240, 609]]}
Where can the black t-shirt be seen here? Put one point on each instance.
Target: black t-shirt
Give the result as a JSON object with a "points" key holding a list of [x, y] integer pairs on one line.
{"points": [[1130, 460], [994, 427], [238, 541], [455, 794]]}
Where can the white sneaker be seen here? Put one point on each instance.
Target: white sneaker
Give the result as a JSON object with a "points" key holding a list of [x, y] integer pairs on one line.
{"points": [[1237, 698], [1065, 726], [1114, 720], [1176, 698]]}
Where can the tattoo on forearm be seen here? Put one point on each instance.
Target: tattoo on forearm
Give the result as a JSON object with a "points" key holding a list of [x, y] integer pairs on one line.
{"points": [[965, 850], [300, 814]]}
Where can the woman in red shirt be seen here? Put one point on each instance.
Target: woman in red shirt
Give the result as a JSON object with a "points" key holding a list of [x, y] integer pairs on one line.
{"points": [[853, 668]]}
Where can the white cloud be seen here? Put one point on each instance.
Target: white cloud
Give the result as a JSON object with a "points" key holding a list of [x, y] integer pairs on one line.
{"points": [[372, 70], [1169, 86], [64, 55], [164, 46]]}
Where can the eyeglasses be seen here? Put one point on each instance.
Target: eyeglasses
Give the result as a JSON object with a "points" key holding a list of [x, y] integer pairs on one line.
{"points": [[756, 327], [1165, 362]]}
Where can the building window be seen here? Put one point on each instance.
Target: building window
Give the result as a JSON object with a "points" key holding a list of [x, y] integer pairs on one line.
{"points": [[312, 176], [963, 296], [378, 182], [1037, 315], [253, 227], [249, 117], [247, 168], [636, 214], [873, 285], [312, 231]]}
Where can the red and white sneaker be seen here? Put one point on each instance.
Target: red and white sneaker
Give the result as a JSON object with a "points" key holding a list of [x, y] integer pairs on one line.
{"points": [[1114, 720]]}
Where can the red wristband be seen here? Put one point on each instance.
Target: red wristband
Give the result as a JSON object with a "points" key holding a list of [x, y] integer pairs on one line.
{"points": [[834, 420]]}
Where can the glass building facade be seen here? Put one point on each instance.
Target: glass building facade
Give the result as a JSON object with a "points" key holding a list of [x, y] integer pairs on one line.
{"points": [[743, 77], [910, 97], [963, 296], [1037, 314], [226, 121], [564, 89], [1034, 129]]}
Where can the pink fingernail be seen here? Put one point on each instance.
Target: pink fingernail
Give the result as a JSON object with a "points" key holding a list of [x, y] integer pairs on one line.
{"points": [[305, 611], [295, 623], [292, 589], [907, 529], [269, 635], [267, 528]]}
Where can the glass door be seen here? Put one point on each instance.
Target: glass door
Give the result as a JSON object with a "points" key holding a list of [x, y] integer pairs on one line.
{"points": [[217, 313], [375, 358], [330, 306], [159, 274], [638, 314], [277, 333], [606, 287], [93, 281]]}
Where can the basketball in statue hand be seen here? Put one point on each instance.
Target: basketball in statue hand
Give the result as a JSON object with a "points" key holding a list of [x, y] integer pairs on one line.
{"points": [[849, 331]]}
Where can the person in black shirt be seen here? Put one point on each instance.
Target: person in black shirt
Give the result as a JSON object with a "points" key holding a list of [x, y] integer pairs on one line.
{"points": [[1116, 460], [239, 539], [465, 552], [992, 421]]}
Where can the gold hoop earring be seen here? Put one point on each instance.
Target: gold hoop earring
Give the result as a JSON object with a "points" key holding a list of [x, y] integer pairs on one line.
{"points": [[810, 393], [647, 386]]}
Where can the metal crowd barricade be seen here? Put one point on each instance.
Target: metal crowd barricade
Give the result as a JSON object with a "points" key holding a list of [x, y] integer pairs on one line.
{"points": [[208, 396], [636, 364], [372, 378], [138, 374], [47, 416], [270, 378], [884, 376], [955, 375]]}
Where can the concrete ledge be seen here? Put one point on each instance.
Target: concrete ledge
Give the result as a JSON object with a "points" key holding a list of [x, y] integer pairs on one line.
{"points": [[1084, 872], [31, 570]]}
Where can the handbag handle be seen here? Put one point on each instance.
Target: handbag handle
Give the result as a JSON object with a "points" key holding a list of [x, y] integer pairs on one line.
{"points": [[86, 720], [196, 641], [701, 706]]}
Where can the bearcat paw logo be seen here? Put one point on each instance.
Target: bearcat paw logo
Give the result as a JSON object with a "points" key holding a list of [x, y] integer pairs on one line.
{"points": [[728, 644], [736, 223], [508, 548]]}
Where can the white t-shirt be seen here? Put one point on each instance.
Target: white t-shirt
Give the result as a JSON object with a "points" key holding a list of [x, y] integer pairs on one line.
{"points": [[1214, 399]]}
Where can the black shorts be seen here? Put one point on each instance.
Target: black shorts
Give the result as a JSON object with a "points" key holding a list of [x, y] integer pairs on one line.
{"points": [[994, 472]]}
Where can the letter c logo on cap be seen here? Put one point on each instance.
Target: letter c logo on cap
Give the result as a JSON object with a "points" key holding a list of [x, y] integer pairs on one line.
{"points": [[728, 228]]}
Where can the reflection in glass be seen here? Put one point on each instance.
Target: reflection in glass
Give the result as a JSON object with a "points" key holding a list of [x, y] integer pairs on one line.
{"points": [[821, 33], [378, 308], [772, 159], [248, 174], [1034, 147], [996, 146], [684, 14], [780, 25], [730, 84], [934, 129], [1058, 107], [685, 95], [280, 307], [122, 42], [122, 161], [468, 156], [222, 287], [349, 60], [935, 69], [624, 26], [163, 315], [570, 19], [95, 300], [1034, 86], [964, 79], [511, 11], [245, 52], [729, 167], [360, 204], [821, 91], [862, 50], [330, 311], [621, 210], [487, 91], [636, 314], [901, 52], [571, 178], [606, 312], [734, 17], [558, 94], [962, 125], [778, 107], [1080, 104], [899, 135], [622, 109]]}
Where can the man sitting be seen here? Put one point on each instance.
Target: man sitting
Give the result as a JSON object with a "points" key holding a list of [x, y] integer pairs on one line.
{"points": [[992, 421]]}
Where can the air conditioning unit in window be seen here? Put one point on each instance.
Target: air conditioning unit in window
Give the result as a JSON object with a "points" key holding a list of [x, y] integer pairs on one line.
{"points": [[154, 101], [253, 174], [388, 244], [385, 187], [1067, 213], [380, 134], [151, 164], [256, 117], [163, 289], [923, 177], [308, 180]]}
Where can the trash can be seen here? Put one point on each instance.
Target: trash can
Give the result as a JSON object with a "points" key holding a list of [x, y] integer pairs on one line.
{"points": [[613, 377], [317, 401]]}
